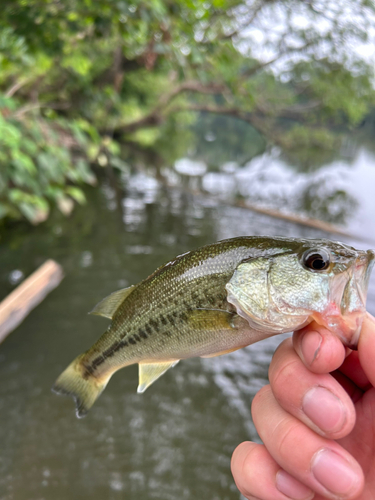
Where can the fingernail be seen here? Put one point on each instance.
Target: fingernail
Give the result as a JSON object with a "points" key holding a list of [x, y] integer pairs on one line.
{"points": [[334, 473], [324, 409], [292, 488], [310, 346]]}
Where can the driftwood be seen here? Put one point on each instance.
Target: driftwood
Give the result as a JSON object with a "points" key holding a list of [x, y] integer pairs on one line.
{"points": [[16, 306], [296, 218]]}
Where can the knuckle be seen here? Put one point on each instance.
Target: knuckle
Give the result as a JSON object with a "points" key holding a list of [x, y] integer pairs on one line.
{"points": [[260, 397], [286, 436], [284, 374], [284, 345]]}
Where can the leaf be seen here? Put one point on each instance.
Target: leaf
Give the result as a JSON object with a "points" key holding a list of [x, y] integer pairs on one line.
{"points": [[120, 164], [33, 207], [23, 162], [35, 214], [65, 205], [5, 209], [76, 193]]}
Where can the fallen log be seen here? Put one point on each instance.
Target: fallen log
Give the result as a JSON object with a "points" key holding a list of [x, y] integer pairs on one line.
{"points": [[17, 305]]}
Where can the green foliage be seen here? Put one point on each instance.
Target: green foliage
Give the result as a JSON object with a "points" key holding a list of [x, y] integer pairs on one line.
{"points": [[219, 140], [342, 95], [84, 81], [38, 166], [308, 148]]}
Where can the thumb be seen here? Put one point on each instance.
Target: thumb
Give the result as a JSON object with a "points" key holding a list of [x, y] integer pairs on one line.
{"points": [[366, 347]]}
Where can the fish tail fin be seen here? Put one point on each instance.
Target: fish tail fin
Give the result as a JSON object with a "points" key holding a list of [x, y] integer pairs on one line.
{"points": [[83, 387]]}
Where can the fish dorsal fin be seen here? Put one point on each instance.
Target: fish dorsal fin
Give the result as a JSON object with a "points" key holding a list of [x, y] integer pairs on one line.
{"points": [[108, 306], [149, 372]]}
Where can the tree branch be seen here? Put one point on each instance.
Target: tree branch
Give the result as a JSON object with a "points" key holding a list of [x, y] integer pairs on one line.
{"points": [[261, 65], [13, 89], [244, 24], [258, 119], [263, 124], [30, 107], [155, 116]]}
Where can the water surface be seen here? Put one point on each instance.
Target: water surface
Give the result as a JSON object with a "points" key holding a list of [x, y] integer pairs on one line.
{"points": [[173, 442]]}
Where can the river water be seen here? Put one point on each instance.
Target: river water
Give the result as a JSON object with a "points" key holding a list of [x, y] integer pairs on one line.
{"points": [[175, 441]]}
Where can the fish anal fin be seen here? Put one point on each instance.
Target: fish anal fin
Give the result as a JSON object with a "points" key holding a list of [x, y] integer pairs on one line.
{"points": [[221, 353], [149, 372], [108, 306]]}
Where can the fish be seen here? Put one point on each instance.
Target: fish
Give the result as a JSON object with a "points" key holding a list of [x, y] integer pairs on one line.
{"points": [[220, 298]]}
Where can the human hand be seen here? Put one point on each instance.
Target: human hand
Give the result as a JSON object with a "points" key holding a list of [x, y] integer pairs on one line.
{"points": [[316, 419]]}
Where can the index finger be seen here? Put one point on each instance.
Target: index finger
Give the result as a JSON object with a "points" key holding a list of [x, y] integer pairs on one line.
{"points": [[319, 349]]}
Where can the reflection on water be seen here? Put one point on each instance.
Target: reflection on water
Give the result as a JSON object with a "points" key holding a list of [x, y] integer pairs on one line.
{"points": [[340, 192], [332, 185], [173, 442]]}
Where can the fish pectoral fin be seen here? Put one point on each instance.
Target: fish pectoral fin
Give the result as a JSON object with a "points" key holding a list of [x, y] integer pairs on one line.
{"points": [[213, 319], [108, 306], [149, 372], [221, 353]]}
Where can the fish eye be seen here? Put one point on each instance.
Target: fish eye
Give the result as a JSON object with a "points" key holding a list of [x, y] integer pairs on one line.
{"points": [[316, 260]]}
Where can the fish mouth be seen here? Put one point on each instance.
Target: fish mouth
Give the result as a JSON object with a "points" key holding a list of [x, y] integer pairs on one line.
{"points": [[347, 305]]}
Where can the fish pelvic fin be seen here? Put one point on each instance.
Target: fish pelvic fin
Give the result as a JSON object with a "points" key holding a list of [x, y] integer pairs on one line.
{"points": [[83, 387], [149, 372], [108, 306]]}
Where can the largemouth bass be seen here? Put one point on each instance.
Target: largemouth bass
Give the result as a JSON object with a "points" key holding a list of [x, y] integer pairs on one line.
{"points": [[218, 299]]}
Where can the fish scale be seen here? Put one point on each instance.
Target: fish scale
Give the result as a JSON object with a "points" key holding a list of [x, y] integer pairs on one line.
{"points": [[137, 313], [204, 303]]}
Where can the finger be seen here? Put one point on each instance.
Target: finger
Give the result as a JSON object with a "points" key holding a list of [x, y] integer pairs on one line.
{"points": [[321, 464], [319, 349], [353, 370], [257, 475], [353, 391], [366, 348], [316, 399]]}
